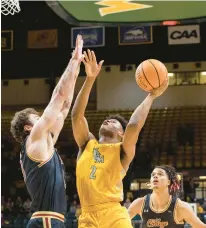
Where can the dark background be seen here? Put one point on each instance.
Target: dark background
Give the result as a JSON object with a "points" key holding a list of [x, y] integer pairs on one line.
{"points": [[25, 63]]}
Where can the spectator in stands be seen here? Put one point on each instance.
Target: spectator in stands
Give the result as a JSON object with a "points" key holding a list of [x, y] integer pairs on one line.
{"points": [[9, 204], [73, 207], [27, 205], [127, 203], [2, 219], [200, 209], [18, 202]]}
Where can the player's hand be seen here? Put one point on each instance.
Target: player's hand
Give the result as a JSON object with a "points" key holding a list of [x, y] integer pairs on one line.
{"points": [[159, 91], [77, 53], [91, 67]]}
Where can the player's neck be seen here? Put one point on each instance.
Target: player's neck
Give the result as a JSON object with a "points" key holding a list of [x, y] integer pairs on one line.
{"points": [[107, 140], [160, 199]]}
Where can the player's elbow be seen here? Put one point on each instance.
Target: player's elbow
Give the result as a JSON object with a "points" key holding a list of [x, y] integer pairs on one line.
{"points": [[131, 213], [61, 93], [75, 115], [135, 125]]}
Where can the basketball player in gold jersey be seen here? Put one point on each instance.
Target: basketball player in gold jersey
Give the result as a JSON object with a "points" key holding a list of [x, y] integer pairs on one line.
{"points": [[163, 208], [103, 163]]}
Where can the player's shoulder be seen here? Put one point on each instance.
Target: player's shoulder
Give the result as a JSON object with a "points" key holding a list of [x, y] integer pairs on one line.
{"points": [[182, 207], [140, 200], [139, 204], [182, 204]]}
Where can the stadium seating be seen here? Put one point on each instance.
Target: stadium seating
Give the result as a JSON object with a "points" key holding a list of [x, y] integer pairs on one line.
{"points": [[161, 128]]}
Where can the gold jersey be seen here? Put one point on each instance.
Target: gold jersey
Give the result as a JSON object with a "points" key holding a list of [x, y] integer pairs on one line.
{"points": [[99, 174]]}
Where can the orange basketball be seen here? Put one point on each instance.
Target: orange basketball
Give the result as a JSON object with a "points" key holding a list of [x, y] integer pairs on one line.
{"points": [[150, 74]]}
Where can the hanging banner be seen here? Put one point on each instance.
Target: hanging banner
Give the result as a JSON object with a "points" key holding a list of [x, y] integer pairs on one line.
{"points": [[43, 39], [92, 36], [188, 34], [133, 35], [7, 40]]}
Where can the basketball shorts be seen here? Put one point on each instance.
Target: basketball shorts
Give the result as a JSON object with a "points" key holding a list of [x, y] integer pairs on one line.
{"points": [[110, 215], [46, 219]]}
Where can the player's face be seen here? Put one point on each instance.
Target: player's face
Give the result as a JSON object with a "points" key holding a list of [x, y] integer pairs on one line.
{"points": [[112, 125], [159, 179], [33, 118]]}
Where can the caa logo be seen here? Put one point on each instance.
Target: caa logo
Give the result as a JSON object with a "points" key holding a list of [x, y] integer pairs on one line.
{"points": [[178, 34], [184, 34]]}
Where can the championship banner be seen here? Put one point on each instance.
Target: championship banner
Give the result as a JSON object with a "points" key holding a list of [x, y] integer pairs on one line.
{"points": [[188, 34], [6, 40], [43, 39], [92, 36], [133, 35]]}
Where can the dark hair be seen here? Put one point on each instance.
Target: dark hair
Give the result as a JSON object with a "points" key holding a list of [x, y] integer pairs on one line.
{"points": [[174, 187], [18, 122], [120, 119]]}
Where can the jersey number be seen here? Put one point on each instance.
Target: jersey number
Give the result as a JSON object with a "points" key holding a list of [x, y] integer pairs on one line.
{"points": [[93, 172]]}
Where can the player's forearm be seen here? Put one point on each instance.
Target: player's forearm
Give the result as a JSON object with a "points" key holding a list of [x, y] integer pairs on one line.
{"points": [[68, 102], [139, 116], [82, 98], [66, 84]]}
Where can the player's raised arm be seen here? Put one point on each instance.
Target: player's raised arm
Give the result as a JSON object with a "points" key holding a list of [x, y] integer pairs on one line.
{"points": [[185, 213], [79, 123], [58, 125], [63, 92], [135, 207], [137, 121]]}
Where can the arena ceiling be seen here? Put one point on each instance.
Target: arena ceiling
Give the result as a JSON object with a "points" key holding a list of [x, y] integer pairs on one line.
{"points": [[113, 13]]}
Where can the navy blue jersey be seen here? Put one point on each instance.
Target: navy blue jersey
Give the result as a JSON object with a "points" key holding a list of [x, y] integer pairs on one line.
{"points": [[165, 218], [45, 182]]}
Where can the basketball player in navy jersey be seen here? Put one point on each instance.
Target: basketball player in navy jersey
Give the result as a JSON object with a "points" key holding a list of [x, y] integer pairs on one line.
{"points": [[41, 165], [162, 208]]}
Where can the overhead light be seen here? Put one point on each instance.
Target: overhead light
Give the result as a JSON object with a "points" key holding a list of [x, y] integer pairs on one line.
{"points": [[203, 73], [170, 74], [202, 177]]}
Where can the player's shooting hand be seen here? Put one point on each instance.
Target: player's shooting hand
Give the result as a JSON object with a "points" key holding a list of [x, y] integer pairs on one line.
{"points": [[77, 53], [91, 67], [159, 91]]}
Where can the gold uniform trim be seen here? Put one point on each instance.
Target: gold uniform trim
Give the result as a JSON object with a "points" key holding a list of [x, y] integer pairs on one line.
{"points": [[43, 163], [142, 207], [33, 159], [163, 210], [175, 213]]}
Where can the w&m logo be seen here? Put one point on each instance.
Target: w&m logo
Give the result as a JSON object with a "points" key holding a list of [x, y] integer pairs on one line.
{"points": [[98, 158]]}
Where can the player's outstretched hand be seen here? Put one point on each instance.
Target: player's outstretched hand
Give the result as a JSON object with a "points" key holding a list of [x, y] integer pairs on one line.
{"points": [[159, 91], [77, 53], [91, 67]]}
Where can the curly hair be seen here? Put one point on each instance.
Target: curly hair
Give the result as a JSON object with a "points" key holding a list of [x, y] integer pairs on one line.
{"points": [[174, 187], [18, 122], [120, 119]]}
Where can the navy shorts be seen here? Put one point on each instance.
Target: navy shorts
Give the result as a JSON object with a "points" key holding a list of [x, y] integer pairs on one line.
{"points": [[46, 219]]}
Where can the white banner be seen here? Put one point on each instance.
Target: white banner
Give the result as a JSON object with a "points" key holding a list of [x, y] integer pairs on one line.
{"points": [[188, 34]]}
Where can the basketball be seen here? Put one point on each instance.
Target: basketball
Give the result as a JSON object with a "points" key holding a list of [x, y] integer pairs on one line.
{"points": [[150, 74]]}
